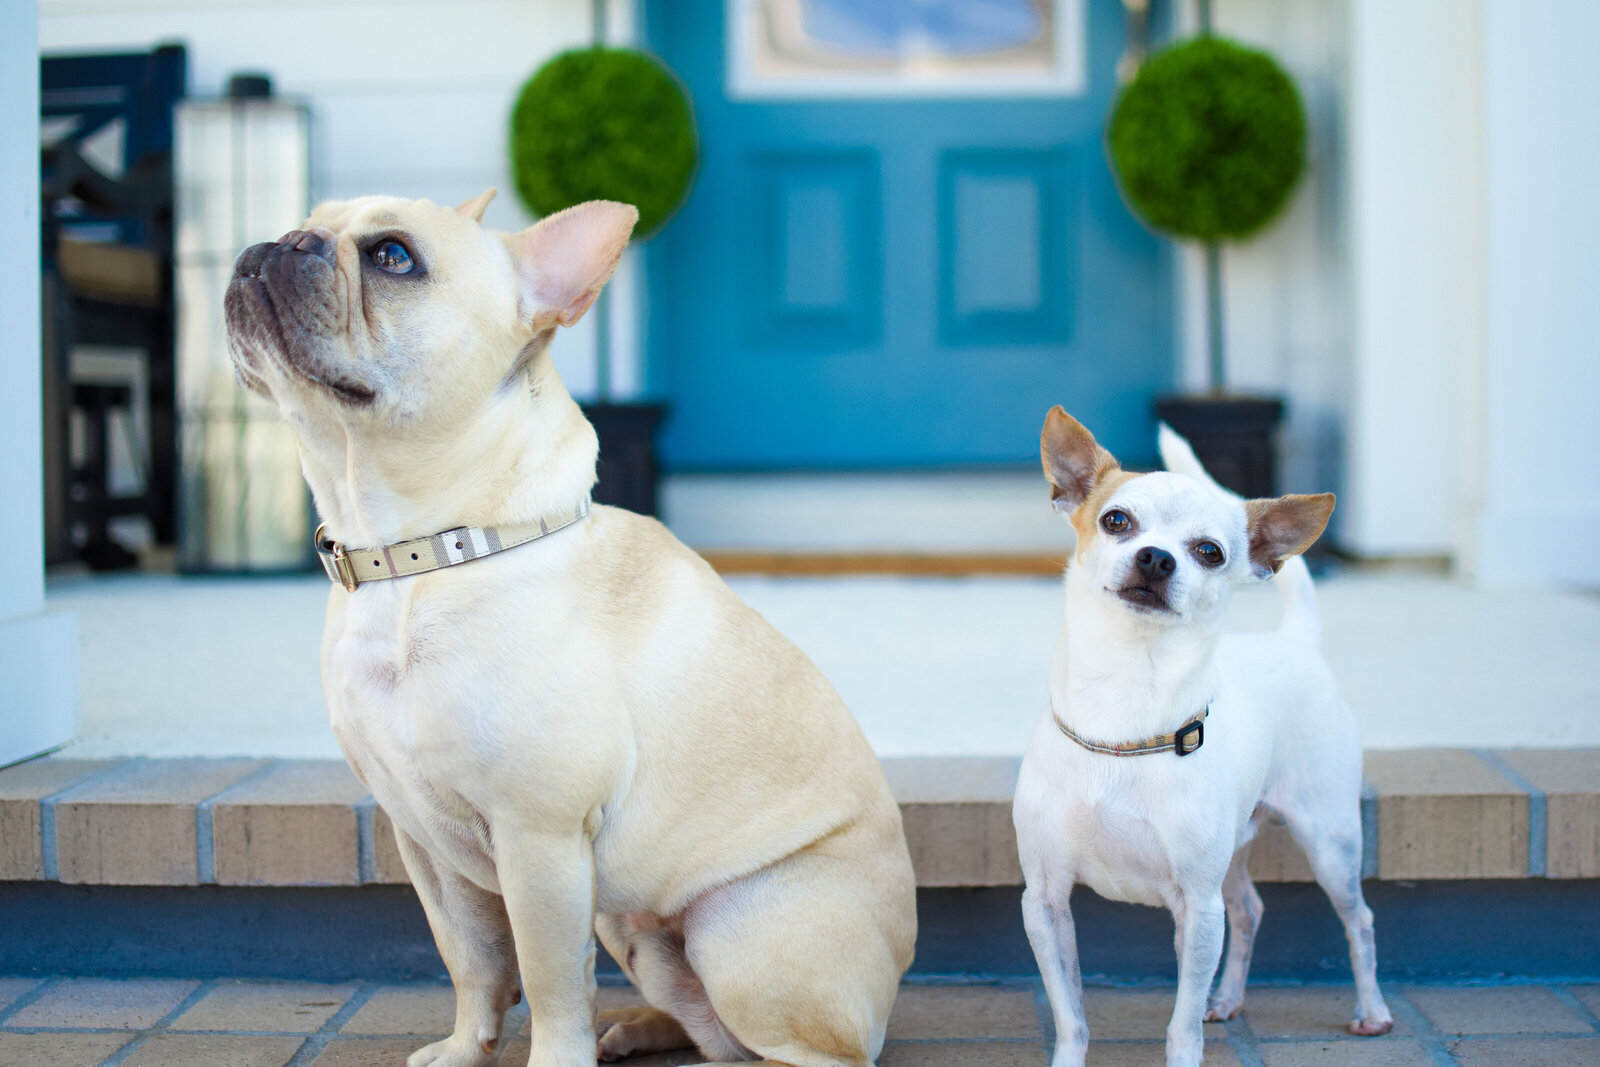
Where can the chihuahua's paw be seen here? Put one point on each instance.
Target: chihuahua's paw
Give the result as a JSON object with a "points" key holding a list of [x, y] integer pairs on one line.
{"points": [[455, 1051], [1070, 1055], [1221, 1008], [1377, 1024], [636, 1032]]}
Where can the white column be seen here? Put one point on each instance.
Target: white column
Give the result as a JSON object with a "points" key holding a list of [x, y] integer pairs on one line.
{"points": [[1540, 516], [1414, 141], [38, 652]]}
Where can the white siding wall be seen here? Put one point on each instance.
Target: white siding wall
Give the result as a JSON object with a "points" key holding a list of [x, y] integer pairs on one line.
{"points": [[1539, 520], [1286, 323], [1416, 164], [1473, 145], [408, 97]]}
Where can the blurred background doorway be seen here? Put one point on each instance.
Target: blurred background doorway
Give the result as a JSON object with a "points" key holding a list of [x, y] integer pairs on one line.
{"points": [[904, 243]]}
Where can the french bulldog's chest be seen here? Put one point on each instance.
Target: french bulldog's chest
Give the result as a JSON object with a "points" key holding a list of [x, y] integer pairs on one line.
{"points": [[393, 724]]}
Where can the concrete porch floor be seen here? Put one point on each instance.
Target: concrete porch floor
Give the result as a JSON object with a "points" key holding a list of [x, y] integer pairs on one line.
{"points": [[78, 1022], [185, 666]]}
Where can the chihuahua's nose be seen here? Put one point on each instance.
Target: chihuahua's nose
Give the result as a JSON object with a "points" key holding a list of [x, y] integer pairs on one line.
{"points": [[1156, 564]]}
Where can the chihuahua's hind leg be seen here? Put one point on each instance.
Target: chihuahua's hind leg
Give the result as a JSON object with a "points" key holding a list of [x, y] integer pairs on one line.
{"points": [[1244, 919], [1333, 847]]}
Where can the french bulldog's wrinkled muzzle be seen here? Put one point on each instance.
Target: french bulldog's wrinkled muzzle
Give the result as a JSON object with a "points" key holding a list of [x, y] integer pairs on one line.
{"points": [[287, 315]]}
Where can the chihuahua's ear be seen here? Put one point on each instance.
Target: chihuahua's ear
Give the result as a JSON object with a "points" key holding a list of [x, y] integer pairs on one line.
{"points": [[563, 261], [1073, 462], [474, 208], [1284, 526]]}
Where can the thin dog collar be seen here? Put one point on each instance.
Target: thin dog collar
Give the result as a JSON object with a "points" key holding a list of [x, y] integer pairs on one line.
{"points": [[1185, 740], [354, 567]]}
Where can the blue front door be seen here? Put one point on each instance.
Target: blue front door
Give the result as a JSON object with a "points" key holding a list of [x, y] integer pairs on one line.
{"points": [[899, 280]]}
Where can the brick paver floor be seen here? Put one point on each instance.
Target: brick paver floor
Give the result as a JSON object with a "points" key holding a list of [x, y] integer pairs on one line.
{"points": [[97, 1022]]}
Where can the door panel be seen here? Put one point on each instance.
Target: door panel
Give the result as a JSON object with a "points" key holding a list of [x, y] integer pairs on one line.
{"points": [[814, 263], [1006, 241], [899, 281]]}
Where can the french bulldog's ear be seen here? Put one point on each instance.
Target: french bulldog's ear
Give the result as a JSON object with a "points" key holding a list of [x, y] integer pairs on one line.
{"points": [[564, 260], [1073, 461], [1284, 526], [474, 208]]}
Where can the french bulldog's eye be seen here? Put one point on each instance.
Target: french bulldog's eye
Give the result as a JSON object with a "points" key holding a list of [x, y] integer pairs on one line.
{"points": [[393, 257], [1115, 521], [1209, 553]]}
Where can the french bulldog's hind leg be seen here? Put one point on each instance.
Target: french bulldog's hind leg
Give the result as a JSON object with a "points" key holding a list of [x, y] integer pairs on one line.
{"points": [[802, 960], [1333, 847], [637, 1032], [1244, 919], [474, 936], [650, 950]]}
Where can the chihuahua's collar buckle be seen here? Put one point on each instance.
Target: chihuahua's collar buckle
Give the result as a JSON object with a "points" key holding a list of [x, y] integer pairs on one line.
{"points": [[1184, 741], [353, 568]]}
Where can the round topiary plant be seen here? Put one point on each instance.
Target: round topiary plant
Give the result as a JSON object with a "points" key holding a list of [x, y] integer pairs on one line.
{"points": [[1208, 139], [603, 124]]}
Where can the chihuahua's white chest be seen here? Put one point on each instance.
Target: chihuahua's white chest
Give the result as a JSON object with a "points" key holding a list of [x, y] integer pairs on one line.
{"points": [[1130, 828]]}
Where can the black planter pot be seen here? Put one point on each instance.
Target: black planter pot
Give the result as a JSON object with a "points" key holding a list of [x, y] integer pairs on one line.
{"points": [[1234, 436], [629, 475]]}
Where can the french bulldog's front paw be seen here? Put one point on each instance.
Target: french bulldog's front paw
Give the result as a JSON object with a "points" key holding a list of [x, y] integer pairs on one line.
{"points": [[1221, 1008], [456, 1050], [1372, 1026]]}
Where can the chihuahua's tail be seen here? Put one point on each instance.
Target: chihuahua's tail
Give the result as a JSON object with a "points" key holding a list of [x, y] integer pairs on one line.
{"points": [[1293, 579], [1299, 595], [1179, 458]]}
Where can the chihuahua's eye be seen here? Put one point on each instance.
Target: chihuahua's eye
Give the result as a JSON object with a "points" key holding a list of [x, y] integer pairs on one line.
{"points": [[1115, 521], [1209, 553], [393, 257]]}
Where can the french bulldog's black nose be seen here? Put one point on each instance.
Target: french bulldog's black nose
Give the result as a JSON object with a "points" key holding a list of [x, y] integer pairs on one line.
{"points": [[1156, 564], [312, 242]]}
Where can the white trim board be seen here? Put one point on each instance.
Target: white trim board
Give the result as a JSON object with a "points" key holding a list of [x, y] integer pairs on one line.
{"points": [[1006, 511]]}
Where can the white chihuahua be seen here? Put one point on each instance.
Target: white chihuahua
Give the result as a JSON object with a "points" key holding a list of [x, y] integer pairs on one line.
{"points": [[1166, 743]]}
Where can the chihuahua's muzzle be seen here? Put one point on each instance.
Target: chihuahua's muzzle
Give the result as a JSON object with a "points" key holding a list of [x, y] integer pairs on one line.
{"points": [[1153, 567], [283, 307]]}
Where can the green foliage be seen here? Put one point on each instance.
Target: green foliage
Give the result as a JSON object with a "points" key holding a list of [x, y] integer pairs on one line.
{"points": [[1208, 139], [603, 124]]}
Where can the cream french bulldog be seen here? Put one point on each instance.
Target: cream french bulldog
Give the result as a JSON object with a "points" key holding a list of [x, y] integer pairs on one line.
{"points": [[1166, 743], [587, 733]]}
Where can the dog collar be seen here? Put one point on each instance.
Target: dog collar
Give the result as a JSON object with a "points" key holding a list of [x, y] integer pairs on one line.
{"points": [[354, 567], [1185, 740]]}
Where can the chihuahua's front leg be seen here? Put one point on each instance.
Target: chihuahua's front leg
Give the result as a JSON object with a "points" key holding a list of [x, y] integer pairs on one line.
{"points": [[1201, 920], [548, 881], [469, 926], [1047, 916]]}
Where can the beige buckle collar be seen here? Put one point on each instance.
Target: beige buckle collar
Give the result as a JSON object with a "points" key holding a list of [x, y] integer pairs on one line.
{"points": [[1185, 740], [354, 567]]}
